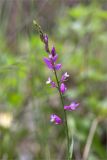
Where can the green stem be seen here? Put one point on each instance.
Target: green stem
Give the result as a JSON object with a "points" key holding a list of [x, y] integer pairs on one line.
{"points": [[65, 116]]}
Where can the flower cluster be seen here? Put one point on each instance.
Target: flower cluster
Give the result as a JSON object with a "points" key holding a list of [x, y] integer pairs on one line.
{"points": [[51, 63], [51, 60]]}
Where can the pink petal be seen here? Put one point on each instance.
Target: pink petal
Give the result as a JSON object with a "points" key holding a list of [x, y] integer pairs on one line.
{"points": [[56, 119], [55, 58], [48, 63], [63, 88], [58, 66], [66, 107], [74, 105]]}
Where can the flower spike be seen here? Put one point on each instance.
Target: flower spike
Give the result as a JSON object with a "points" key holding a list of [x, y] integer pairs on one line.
{"points": [[58, 66], [50, 61]]}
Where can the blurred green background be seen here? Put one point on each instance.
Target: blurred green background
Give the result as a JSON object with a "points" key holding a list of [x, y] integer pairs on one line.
{"points": [[78, 29]]}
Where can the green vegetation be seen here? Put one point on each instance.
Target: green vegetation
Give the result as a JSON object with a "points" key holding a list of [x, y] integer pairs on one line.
{"points": [[80, 37]]}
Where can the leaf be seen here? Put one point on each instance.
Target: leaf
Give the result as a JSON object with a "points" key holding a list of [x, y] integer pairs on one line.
{"points": [[71, 147]]}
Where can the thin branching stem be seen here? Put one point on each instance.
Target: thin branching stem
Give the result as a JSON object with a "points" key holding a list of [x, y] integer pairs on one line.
{"points": [[65, 116]]}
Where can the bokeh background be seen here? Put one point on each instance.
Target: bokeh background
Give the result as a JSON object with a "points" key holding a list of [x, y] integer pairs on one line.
{"points": [[78, 29]]}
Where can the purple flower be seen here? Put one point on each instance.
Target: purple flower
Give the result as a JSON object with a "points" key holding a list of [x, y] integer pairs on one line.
{"points": [[73, 106], [56, 119], [58, 66], [48, 63], [51, 64], [63, 88], [49, 81], [64, 77]]}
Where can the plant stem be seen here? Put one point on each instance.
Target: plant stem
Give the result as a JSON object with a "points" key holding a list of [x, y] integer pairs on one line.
{"points": [[65, 116]]}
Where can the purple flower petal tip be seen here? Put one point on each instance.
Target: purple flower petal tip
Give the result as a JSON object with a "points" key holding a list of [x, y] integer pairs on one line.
{"points": [[55, 119], [55, 58], [66, 107], [63, 88], [64, 77], [58, 66], [48, 63]]}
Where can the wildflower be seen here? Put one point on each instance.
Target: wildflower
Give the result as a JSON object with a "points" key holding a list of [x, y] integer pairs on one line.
{"points": [[64, 77], [63, 88], [72, 106], [50, 64], [56, 119], [49, 81]]}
